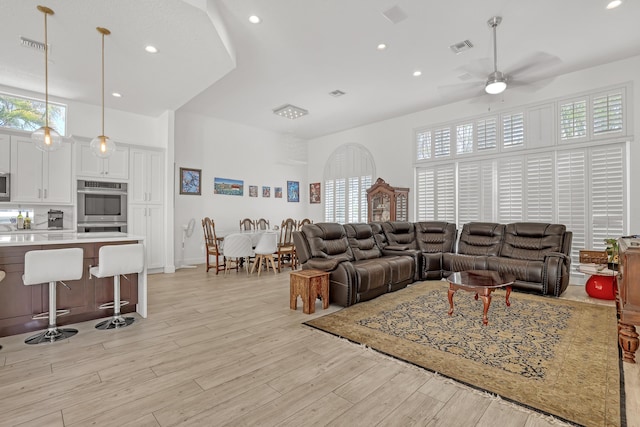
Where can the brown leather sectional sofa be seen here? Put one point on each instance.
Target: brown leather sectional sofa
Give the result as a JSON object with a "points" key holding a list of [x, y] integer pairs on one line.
{"points": [[368, 260]]}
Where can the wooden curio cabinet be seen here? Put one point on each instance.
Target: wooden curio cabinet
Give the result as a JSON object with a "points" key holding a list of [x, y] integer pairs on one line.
{"points": [[387, 203]]}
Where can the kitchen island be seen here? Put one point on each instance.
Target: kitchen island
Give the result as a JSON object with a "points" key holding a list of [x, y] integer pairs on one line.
{"points": [[18, 303]]}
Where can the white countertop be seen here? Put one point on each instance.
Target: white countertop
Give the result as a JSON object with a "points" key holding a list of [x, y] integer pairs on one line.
{"points": [[61, 238]]}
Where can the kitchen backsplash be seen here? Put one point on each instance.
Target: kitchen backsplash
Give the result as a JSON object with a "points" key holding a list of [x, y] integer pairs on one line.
{"points": [[38, 214]]}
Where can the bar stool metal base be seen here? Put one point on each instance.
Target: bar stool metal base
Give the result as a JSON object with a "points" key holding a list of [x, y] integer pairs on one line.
{"points": [[51, 335], [115, 322]]}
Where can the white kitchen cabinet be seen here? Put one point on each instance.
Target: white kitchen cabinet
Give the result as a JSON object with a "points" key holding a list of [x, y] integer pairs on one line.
{"points": [[5, 153], [40, 177], [115, 166], [148, 221], [147, 177]]}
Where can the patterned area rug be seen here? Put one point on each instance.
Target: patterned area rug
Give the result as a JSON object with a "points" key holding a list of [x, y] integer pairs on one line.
{"points": [[556, 356]]}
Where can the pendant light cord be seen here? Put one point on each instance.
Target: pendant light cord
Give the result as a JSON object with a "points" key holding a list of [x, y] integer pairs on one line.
{"points": [[102, 84], [46, 74]]}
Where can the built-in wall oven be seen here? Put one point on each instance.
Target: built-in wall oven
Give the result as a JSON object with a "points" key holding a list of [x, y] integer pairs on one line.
{"points": [[5, 187], [102, 206]]}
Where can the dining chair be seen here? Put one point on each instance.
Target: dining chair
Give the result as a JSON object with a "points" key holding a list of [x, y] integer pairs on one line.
{"points": [[303, 222], [237, 248], [262, 224], [212, 244], [286, 249], [247, 225], [264, 251]]}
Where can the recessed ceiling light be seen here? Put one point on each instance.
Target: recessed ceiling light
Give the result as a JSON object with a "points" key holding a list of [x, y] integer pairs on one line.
{"points": [[613, 4], [151, 49], [254, 19], [417, 73], [382, 46], [116, 95]]}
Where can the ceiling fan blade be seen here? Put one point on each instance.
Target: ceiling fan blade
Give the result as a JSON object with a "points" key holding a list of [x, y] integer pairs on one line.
{"points": [[537, 62], [528, 86], [479, 68], [460, 89]]}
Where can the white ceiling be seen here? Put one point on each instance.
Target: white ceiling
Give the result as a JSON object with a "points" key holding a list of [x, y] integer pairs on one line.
{"points": [[214, 62]]}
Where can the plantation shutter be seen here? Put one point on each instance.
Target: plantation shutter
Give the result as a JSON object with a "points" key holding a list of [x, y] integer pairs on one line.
{"points": [[573, 120], [464, 138], [487, 133], [442, 139], [607, 113], [540, 188], [329, 201], [488, 174], [513, 130], [607, 193], [423, 145], [364, 206], [572, 197], [354, 199], [510, 189], [425, 194], [469, 192], [340, 201], [445, 194]]}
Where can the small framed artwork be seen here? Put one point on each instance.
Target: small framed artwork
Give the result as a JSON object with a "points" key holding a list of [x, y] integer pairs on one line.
{"points": [[314, 192], [266, 191], [190, 181], [293, 191], [278, 192], [253, 191]]}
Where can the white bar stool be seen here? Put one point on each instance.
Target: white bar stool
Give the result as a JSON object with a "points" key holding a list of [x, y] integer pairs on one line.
{"points": [[116, 260], [52, 265], [2, 274]]}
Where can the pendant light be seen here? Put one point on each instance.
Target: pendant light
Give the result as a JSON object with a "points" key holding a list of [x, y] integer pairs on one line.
{"points": [[46, 138], [101, 145]]}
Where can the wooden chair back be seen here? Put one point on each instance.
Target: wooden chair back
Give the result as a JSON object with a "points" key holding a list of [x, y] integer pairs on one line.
{"points": [[247, 225], [262, 224], [212, 243], [303, 222]]}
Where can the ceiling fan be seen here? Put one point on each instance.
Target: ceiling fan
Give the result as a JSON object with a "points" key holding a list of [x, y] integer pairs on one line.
{"points": [[496, 81]]}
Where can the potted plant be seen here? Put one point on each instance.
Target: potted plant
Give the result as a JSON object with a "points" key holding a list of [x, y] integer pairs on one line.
{"points": [[612, 252]]}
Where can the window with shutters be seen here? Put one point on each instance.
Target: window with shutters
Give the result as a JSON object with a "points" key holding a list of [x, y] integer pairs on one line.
{"points": [[573, 120], [606, 167], [442, 142], [464, 138], [572, 202], [423, 145], [487, 133], [607, 113], [348, 173], [510, 189], [513, 130], [436, 189], [540, 186]]}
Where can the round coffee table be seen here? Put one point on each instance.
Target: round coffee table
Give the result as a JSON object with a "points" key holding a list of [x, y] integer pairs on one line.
{"points": [[482, 283]]}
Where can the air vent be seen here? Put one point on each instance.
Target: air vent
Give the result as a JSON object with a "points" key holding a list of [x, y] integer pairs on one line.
{"points": [[395, 14], [337, 93], [460, 47], [32, 44]]}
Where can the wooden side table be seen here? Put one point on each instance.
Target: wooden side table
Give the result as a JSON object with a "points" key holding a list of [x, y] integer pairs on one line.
{"points": [[309, 284]]}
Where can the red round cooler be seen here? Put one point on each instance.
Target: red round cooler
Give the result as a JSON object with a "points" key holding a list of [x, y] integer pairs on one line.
{"points": [[601, 287]]}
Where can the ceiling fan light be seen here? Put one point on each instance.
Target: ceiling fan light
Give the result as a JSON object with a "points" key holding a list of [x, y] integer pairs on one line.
{"points": [[496, 83]]}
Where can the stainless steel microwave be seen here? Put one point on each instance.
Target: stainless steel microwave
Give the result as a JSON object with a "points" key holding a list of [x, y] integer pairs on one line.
{"points": [[103, 203], [5, 187]]}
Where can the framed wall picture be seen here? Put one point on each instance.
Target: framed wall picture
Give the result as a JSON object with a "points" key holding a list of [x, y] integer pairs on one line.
{"points": [[293, 191], [253, 191], [266, 191], [278, 192], [314, 192], [229, 187], [190, 181]]}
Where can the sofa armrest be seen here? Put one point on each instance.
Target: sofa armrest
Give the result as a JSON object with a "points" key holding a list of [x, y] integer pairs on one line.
{"points": [[325, 264], [397, 247], [556, 273]]}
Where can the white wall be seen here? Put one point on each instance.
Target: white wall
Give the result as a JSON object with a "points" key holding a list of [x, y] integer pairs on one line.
{"points": [[391, 141], [85, 120], [230, 150]]}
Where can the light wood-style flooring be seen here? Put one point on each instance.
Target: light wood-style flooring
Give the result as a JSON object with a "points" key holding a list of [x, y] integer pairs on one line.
{"points": [[227, 350]]}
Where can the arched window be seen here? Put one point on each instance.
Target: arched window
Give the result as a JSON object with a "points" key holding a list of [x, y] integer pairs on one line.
{"points": [[348, 174]]}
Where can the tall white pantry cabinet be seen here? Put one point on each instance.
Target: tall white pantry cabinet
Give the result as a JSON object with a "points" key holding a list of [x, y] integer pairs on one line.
{"points": [[146, 207]]}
